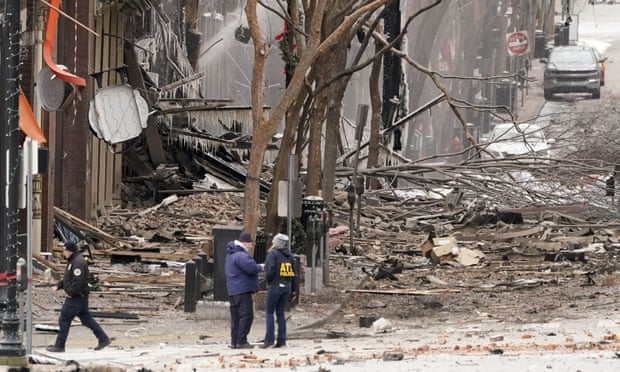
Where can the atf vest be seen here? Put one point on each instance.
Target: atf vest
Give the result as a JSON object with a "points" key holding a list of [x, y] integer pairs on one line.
{"points": [[286, 270]]}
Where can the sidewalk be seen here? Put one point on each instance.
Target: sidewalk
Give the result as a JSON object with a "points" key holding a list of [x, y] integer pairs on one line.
{"points": [[530, 101], [178, 341], [582, 344], [181, 344]]}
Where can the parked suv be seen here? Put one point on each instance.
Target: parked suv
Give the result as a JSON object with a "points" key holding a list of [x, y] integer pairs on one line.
{"points": [[572, 69]]}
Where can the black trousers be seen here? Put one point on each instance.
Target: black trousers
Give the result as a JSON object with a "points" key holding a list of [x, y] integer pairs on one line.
{"points": [[77, 306], [241, 317]]}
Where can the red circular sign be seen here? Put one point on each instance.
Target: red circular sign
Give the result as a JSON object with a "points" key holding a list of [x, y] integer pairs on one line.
{"points": [[518, 42]]}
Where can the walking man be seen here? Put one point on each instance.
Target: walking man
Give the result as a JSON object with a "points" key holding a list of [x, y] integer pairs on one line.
{"points": [[241, 283], [281, 283], [75, 285]]}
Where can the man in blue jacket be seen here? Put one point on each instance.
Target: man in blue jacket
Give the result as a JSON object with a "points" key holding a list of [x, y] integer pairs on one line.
{"points": [[241, 283]]}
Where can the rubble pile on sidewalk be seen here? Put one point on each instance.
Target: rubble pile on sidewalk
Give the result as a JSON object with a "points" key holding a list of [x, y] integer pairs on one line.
{"points": [[445, 256]]}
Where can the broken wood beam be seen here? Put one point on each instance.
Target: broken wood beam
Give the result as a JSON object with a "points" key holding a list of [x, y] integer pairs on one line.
{"points": [[90, 228], [126, 256], [167, 201], [176, 110], [115, 315], [184, 81], [404, 291], [513, 234], [198, 191]]}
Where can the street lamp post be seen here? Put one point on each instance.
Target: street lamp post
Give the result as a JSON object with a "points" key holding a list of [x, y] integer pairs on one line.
{"points": [[12, 351]]}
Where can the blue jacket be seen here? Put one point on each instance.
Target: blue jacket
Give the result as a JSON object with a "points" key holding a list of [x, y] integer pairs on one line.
{"points": [[241, 270], [279, 268]]}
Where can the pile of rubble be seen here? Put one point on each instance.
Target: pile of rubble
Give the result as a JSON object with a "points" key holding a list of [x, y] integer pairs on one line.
{"points": [[419, 248]]}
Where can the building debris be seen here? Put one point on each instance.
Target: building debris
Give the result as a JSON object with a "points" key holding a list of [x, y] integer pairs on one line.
{"points": [[139, 253]]}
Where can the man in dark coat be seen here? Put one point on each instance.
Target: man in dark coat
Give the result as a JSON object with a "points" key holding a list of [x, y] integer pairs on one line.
{"points": [[241, 283], [75, 285], [281, 282]]}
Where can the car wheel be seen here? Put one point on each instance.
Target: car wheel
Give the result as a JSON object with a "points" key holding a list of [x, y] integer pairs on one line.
{"points": [[596, 93], [548, 94]]}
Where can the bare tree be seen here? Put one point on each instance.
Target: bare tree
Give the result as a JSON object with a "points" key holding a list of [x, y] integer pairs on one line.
{"points": [[325, 86], [314, 93], [315, 46]]}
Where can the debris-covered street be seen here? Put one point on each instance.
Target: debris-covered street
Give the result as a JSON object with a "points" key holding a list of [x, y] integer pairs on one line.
{"points": [[436, 281], [465, 270], [496, 292]]}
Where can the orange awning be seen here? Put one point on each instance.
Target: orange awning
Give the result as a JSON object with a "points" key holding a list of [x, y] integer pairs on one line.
{"points": [[27, 122]]}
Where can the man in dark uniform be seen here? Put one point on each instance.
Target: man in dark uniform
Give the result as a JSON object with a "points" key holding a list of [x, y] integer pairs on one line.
{"points": [[75, 285]]}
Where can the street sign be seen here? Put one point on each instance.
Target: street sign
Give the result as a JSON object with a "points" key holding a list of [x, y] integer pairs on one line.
{"points": [[294, 203], [518, 43]]}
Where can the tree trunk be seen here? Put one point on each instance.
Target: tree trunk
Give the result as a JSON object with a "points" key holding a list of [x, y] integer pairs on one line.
{"points": [[330, 99], [260, 135], [313, 182], [332, 126], [375, 118]]}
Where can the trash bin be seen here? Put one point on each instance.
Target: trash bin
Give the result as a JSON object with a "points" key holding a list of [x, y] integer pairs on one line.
{"points": [[310, 205], [561, 35], [540, 44], [506, 93]]}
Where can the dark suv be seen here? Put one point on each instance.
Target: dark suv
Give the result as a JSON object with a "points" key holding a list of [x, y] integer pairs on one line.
{"points": [[572, 69]]}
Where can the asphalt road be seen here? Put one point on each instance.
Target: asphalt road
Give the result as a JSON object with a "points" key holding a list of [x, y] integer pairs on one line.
{"points": [[599, 26]]}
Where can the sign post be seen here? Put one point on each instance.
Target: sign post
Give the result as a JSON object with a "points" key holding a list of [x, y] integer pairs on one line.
{"points": [[518, 43]]}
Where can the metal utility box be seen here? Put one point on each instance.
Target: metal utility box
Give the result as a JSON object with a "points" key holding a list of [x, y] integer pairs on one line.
{"points": [[540, 44], [222, 234]]}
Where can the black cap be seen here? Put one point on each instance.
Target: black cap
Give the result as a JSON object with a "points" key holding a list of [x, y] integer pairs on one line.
{"points": [[70, 246], [245, 237]]}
